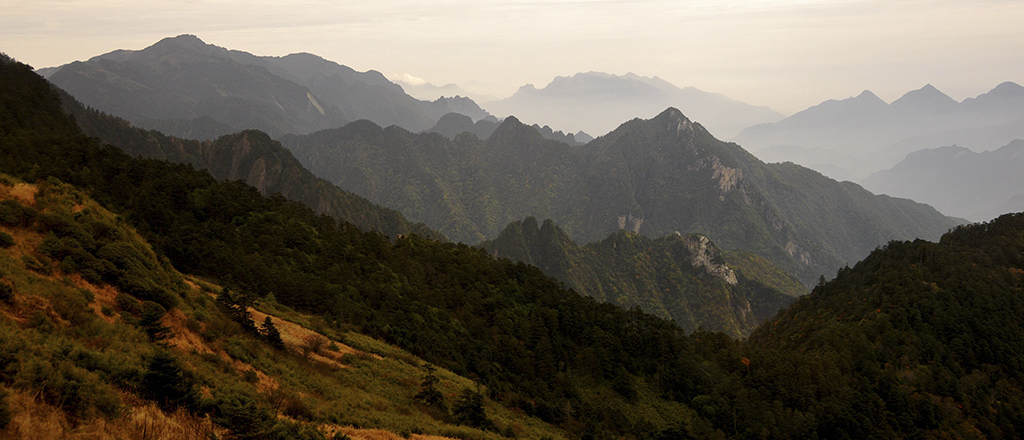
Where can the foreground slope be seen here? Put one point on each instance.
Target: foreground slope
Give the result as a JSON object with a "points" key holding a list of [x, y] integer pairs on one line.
{"points": [[655, 177], [919, 340], [100, 336]]}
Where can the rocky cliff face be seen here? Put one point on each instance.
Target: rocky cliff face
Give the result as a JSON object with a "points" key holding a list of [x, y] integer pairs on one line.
{"points": [[705, 255]]}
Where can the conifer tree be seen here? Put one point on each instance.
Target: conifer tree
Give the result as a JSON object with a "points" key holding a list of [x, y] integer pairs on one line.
{"points": [[168, 383], [429, 395], [236, 305], [151, 321], [469, 410], [271, 334]]}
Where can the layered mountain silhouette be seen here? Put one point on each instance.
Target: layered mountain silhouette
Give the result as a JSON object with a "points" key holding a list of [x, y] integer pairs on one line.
{"points": [[918, 340], [683, 278], [655, 177], [598, 102], [188, 88], [854, 137], [958, 181], [454, 124], [251, 156]]}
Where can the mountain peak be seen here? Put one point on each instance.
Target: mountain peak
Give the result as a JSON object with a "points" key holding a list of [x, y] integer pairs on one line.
{"points": [[181, 41], [927, 97], [1008, 85], [512, 130], [672, 114], [1007, 89], [867, 95]]}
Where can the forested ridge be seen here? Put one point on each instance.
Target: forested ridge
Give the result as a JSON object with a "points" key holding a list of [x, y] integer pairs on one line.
{"points": [[652, 176], [920, 340], [683, 278], [250, 156]]}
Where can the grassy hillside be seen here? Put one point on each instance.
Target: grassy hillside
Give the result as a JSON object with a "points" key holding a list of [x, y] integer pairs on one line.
{"points": [[84, 346]]}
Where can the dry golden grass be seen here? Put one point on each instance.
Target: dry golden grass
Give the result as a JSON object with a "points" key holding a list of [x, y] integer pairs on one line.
{"points": [[33, 419], [184, 338], [24, 306], [25, 241], [373, 434], [103, 296], [24, 193], [294, 337]]}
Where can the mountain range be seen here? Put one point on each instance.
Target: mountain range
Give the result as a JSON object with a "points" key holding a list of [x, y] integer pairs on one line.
{"points": [[261, 162], [655, 177], [250, 156], [103, 334], [597, 102], [958, 181], [187, 88], [454, 124], [854, 137]]}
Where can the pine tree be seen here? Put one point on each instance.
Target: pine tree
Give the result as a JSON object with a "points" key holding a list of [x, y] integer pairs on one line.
{"points": [[271, 334], [469, 410], [236, 305], [168, 383], [151, 321], [429, 395]]}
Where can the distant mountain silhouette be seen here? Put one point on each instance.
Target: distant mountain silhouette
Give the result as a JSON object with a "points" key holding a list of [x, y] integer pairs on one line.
{"points": [[958, 181], [454, 124], [655, 177], [250, 156], [854, 137], [598, 102], [191, 89]]}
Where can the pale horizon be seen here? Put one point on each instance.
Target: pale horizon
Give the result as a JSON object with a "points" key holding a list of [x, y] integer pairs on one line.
{"points": [[784, 54]]}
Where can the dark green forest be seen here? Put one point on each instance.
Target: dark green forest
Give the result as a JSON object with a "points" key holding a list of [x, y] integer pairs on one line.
{"points": [[919, 340], [685, 279]]}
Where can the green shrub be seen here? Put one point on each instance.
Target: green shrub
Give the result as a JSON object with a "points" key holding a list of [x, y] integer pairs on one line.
{"points": [[13, 213], [77, 391], [128, 304], [36, 265], [168, 383], [5, 412], [6, 240], [151, 321], [6, 292], [242, 415], [72, 306]]}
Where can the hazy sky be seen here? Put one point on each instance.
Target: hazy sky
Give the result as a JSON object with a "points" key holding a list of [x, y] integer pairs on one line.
{"points": [[787, 54]]}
